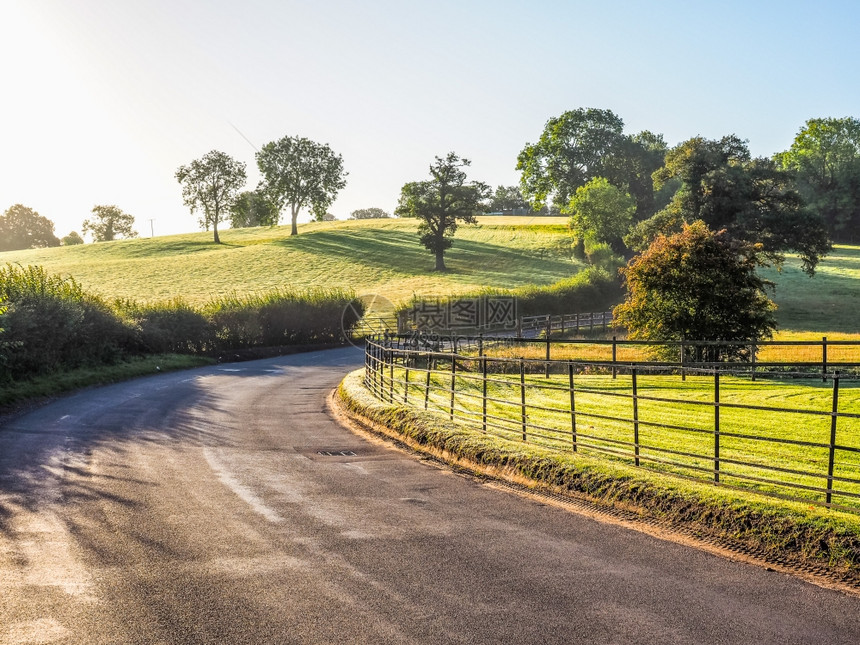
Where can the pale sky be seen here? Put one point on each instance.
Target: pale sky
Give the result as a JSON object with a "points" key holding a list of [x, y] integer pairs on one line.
{"points": [[102, 100]]}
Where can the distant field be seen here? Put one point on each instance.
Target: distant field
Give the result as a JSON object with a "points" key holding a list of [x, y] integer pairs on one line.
{"points": [[384, 256], [368, 256]]}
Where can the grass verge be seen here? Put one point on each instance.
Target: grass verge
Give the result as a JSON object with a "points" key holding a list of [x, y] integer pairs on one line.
{"points": [[789, 532], [15, 393]]}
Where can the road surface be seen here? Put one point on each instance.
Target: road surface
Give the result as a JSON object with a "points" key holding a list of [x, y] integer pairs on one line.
{"points": [[224, 505]]}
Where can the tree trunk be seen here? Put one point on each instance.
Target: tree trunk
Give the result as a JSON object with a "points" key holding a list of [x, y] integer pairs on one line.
{"points": [[215, 228], [440, 260], [294, 215]]}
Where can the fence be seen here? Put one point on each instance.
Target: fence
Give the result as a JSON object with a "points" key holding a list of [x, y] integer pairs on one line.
{"points": [[443, 318], [797, 437]]}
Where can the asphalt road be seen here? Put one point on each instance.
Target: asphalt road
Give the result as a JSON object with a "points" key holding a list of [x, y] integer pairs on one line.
{"points": [[196, 507]]}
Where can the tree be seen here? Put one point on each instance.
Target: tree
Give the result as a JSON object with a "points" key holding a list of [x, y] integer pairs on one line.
{"points": [[697, 285], [600, 212], [301, 173], [253, 208], [23, 228], [108, 223], [210, 185], [441, 203], [508, 200], [752, 199], [369, 213], [825, 162], [72, 239], [582, 145]]}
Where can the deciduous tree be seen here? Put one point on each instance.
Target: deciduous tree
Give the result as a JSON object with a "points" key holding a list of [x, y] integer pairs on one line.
{"points": [[697, 285], [752, 199], [369, 213], [825, 161], [72, 239], [441, 203], [301, 173], [600, 212], [210, 186], [253, 208], [23, 228], [109, 223]]}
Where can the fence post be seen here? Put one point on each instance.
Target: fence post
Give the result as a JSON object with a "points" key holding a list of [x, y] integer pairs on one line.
{"points": [[519, 327], [824, 359], [833, 417], [481, 344], [391, 375], [406, 385], [753, 359], [635, 418], [523, 397], [453, 380], [576, 323], [603, 315], [572, 404], [546, 365], [614, 356], [484, 394], [716, 426], [683, 372], [427, 381]]}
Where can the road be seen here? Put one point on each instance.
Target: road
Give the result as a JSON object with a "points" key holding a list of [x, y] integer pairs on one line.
{"points": [[197, 507]]}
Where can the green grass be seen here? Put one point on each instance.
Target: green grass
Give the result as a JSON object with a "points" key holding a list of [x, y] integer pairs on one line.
{"points": [[374, 256], [689, 451]]}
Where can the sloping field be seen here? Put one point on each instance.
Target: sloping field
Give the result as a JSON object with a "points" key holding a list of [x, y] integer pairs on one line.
{"points": [[371, 256]]}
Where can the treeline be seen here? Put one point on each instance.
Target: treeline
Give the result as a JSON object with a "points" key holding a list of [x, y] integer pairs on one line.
{"points": [[51, 323]]}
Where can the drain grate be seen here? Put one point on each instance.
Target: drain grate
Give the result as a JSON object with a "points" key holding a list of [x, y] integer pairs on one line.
{"points": [[336, 453]]}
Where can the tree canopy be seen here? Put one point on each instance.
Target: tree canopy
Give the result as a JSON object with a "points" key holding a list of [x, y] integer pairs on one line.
{"points": [[825, 162], [301, 173], [754, 200], [72, 239], [253, 208], [210, 186], [601, 213], [508, 200], [583, 144], [109, 223], [697, 284], [23, 228], [441, 203], [369, 213]]}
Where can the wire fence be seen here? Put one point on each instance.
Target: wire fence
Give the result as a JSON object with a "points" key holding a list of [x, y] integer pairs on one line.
{"points": [[789, 433]]}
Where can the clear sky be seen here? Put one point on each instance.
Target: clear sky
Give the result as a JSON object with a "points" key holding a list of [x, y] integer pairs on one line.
{"points": [[102, 100]]}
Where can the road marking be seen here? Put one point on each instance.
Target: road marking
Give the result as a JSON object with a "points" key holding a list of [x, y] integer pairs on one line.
{"points": [[245, 494], [230, 369]]}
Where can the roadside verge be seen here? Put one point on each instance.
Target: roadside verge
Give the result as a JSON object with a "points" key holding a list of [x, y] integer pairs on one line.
{"points": [[807, 539]]}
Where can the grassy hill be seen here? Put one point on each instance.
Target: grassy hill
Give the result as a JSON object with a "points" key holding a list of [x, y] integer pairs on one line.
{"points": [[384, 257], [370, 256]]}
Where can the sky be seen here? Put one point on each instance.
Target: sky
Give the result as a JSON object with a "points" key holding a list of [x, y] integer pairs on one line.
{"points": [[102, 100]]}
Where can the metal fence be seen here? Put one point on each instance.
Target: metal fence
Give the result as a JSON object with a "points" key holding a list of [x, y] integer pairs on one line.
{"points": [[796, 436]]}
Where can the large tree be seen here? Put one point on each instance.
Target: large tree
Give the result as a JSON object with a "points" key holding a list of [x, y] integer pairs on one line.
{"points": [[601, 213], [697, 285], [583, 144], [23, 228], [253, 208], [508, 200], [753, 199], [210, 186], [109, 223], [441, 203], [301, 173], [825, 161]]}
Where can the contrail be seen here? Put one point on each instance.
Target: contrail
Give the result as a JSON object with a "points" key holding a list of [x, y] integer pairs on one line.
{"points": [[242, 134]]}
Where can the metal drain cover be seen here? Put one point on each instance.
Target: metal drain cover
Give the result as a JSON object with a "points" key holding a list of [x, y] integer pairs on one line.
{"points": [[336, 453]]}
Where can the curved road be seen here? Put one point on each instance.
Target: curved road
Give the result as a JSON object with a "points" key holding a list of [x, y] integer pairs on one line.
{"points": [[196, 507]]}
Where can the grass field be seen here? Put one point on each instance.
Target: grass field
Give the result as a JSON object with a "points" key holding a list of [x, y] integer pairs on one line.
{"points": [[384, 257], [370, 256], [758, 448]]}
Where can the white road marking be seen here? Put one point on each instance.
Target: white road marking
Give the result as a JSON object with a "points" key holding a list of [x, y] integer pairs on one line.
{"points": [[245, 494]]}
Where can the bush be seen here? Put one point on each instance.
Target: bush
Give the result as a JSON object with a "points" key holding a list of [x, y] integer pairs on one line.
{"points": [[169, 327], [52, 323]]}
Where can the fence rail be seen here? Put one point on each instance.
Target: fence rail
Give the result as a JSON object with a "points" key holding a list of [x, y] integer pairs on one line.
{"points": [[798, 438]]}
